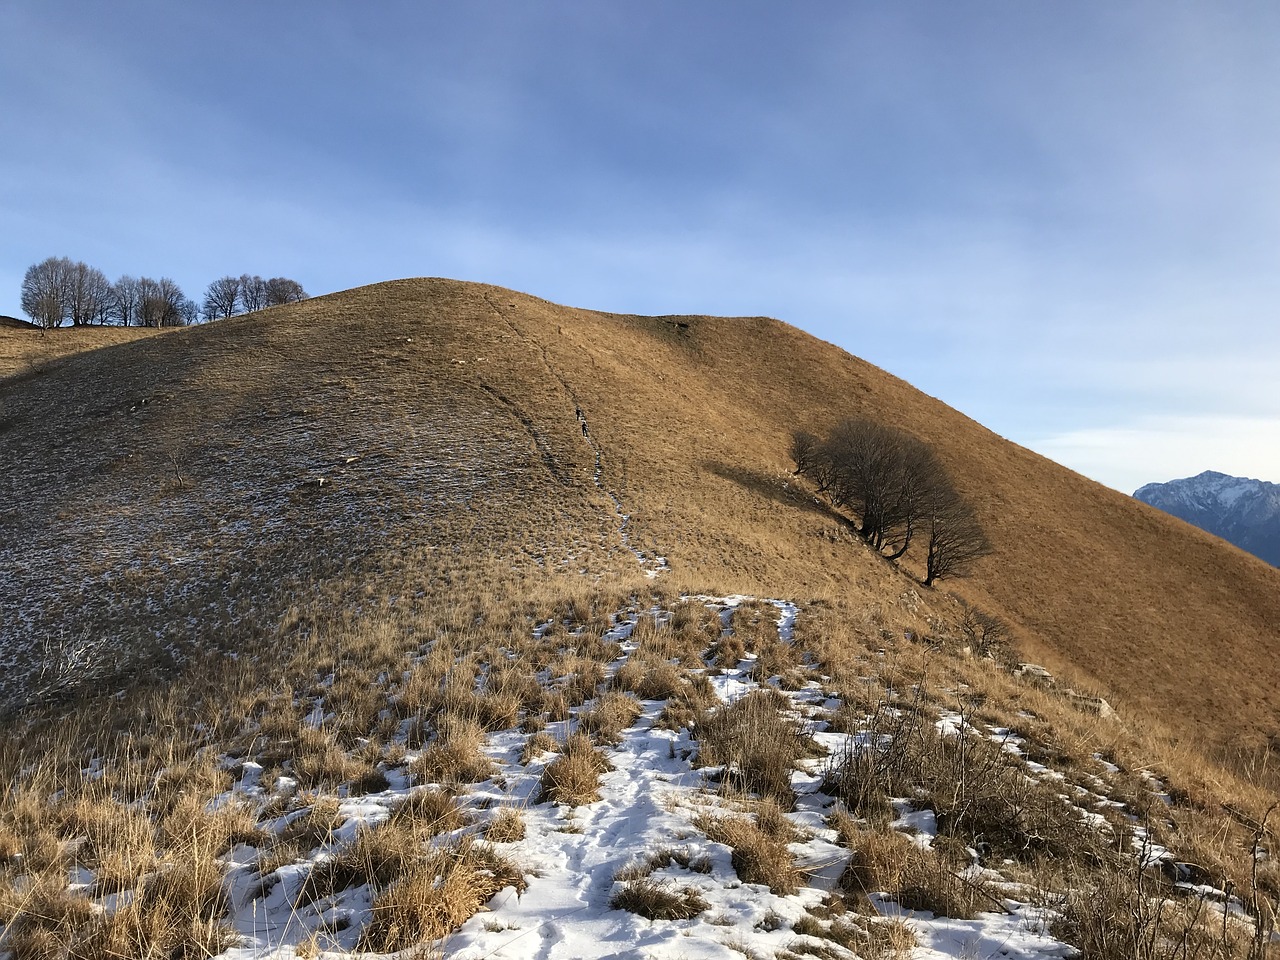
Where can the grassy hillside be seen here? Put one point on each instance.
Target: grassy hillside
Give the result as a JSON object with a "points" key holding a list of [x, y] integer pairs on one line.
{"points": [[335, 627], [206, 481]]}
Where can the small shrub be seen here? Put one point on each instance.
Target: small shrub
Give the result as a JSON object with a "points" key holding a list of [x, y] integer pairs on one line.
{"points": [[756, 744], [457, 755], [429, 812], [440, 892]]}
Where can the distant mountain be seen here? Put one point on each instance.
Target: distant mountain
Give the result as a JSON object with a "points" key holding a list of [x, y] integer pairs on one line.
{"points": [[1240, 511]]}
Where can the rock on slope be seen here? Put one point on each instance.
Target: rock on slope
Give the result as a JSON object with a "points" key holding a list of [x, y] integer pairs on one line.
{"points": [[1241, 511]]}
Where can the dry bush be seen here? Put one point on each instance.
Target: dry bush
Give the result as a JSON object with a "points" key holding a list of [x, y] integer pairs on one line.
{"points": [[980, 793], [658, 901], [573, 778], [457, 754], [190, 821], [757, 745], [506, 826], [929, 883], [578, 678], [45, 920], [321, 762], [687, 704], [728, 651], [1122, 913], [176, 912], [757, 857], [115, 841], [437, 894], [879, 859], [612, 713]]}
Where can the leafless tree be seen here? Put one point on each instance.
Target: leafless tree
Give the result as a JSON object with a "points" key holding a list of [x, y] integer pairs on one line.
{"points": [[283, 290], [124, 301], [883, 476], [160, 303], [896, 488], [222, 298], [955, 538], [253, 293], [88, 294], [46, 291]]}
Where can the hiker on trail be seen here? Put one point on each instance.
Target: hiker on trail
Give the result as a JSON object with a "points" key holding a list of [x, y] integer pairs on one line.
{"points": [[584, 428]]}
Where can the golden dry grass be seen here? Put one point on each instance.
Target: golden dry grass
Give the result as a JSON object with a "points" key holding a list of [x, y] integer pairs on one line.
{"points": [[461, 509]]}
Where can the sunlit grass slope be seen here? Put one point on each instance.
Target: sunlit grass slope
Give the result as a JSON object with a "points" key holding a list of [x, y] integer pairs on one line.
{"points": [[220, 486]]}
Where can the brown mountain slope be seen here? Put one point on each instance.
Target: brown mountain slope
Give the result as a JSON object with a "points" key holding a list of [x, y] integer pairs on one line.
{"points": [[369, 446], [24, 347]]}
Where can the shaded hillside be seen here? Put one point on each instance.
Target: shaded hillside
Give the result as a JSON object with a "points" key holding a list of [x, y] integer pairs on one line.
{"points": [[180, 501]]}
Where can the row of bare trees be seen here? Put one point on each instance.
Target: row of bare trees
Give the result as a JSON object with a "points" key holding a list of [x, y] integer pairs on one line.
{"points": [[59, 290], [228, 296], [897, 491]]}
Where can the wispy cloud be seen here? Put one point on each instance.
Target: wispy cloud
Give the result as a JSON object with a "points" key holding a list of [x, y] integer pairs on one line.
{"points": [[1153, 449]]}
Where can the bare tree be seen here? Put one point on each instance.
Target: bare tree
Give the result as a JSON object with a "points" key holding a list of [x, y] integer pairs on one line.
{"points": [[222, 298], [88, 294], [46, 291], [160, 303], [283, 290], [896, 488], [955, 538], [253, 293], [124, 301]]}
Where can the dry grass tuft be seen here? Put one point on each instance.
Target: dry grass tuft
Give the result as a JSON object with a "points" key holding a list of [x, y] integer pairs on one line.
{"points": [[507, 826], [439, 893], [573, 778], [756, 743], [430, 812], [757, 857], [658, 901], [457, 754], [612, 713]]}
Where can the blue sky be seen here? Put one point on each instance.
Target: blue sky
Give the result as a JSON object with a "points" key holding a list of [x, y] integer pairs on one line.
{"points": [[1062, 219]]}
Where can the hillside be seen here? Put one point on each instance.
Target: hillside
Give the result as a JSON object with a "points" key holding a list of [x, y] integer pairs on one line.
{"points": [[24, 347], [434, 613], [441, 413], [1239, 510]]}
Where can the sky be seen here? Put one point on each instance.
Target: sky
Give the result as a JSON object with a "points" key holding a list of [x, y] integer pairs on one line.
{"points": [[1061, 219]]}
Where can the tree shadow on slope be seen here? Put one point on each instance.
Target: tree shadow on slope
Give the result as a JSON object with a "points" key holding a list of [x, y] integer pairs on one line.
{"points": [[771, 488]]}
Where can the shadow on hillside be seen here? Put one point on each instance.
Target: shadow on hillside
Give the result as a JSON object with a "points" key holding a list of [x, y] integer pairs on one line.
{"points": [[772, 488]]}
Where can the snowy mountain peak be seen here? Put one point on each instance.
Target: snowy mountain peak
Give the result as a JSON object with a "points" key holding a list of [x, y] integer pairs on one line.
{"points": [[1242, 511]]}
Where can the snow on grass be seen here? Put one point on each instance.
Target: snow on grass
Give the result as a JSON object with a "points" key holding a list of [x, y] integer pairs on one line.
{"points": [[665, 838]]}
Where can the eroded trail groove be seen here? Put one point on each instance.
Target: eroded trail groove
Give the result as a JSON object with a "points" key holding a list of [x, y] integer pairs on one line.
{"points": [[652, 563]]}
